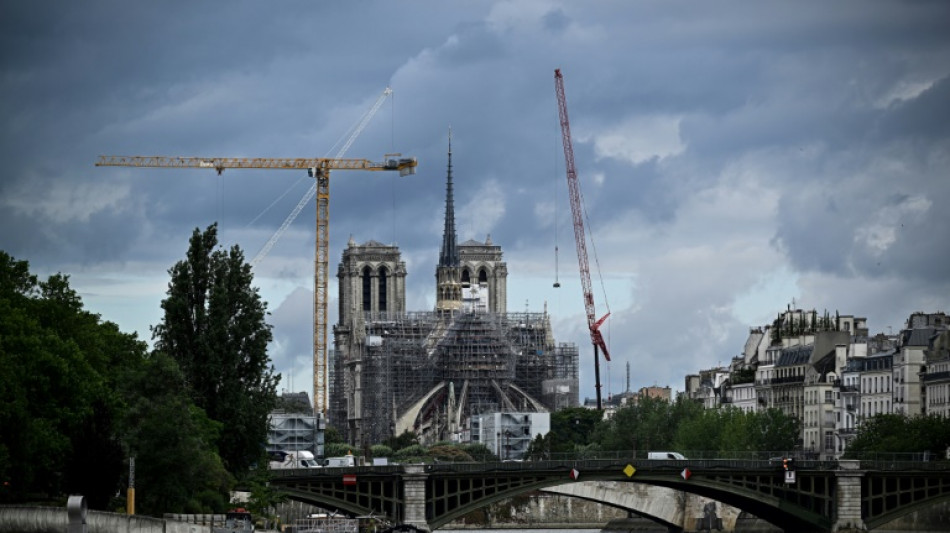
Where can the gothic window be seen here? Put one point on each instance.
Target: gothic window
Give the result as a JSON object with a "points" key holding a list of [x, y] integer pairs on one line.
{"points": [[367, 289], [482, 276], [466, 277], [382, 288]]}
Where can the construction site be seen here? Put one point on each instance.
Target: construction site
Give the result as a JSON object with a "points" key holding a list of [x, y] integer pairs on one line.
{"points": [[439, 372], [435, 373]]}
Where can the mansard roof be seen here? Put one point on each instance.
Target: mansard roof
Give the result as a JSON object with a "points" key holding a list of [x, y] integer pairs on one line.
{"points": [[918, 337], [795, 355]]}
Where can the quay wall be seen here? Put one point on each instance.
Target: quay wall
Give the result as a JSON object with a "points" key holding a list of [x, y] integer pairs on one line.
{"points": [[22, 519]]}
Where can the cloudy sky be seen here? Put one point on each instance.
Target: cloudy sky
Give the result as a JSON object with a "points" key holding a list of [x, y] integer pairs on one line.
{"points": [[735, 157]]}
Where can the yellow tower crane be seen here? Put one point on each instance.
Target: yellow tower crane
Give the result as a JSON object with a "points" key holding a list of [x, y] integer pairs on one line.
{"points": [[318, 168]]}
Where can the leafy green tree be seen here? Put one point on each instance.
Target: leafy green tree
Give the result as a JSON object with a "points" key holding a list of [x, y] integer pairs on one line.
{"points": [[57, 401], [214, 328], [571, 428], [337, 449], [649, 424], [703, 431], [888, 433], [449, 453], [172, 440], [477, 451], [264, 497], [413, 453], [408, 438], [773, 430], [381, 450], [730, 430]]}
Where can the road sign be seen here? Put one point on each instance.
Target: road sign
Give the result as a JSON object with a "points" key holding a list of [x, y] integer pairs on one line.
{"points": [[629, 470], [790, 476], [349, 479]]}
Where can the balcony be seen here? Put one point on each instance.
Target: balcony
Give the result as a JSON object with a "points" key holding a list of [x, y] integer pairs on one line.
{"points": [[936, 376], [788, 380]]}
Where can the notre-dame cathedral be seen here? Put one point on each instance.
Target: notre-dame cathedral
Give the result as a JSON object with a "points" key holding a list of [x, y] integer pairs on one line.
{"points": [[434, 372]]}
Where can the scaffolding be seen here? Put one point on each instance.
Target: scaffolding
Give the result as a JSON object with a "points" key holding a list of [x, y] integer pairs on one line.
{"points": [[442, 369]]}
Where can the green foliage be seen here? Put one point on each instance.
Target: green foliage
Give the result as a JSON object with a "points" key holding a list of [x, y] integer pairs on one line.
{"points": [[58, 405], [729, 430], [408, 438], [449, 453], [898, 434], [650, 424], [332, 436], [214, 328], [264, 496], [381, 450], [477, 451], [177, 469], [742, 375], [571, 428], [414, 453], [337, 449]]}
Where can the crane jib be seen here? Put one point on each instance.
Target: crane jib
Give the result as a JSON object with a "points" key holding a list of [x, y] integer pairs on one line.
{"points": [[405, 165]]}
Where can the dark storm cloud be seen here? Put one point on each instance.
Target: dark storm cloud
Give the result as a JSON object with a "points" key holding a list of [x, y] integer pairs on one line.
{"points": [[925, 117], [721, 147]]}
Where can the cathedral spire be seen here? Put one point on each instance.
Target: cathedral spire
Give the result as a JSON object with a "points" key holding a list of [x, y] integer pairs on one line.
{"points": [[449, 255], [448, 288]]}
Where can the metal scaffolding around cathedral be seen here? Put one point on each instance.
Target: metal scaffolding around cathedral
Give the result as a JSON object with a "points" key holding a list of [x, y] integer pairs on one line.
{"points": [[432, 372]]}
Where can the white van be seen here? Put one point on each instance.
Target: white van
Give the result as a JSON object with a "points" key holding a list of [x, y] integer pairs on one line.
{"points": [[666, 456]]}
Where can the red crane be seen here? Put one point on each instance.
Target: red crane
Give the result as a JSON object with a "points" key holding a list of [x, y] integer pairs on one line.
{"points": [[580, 238]]}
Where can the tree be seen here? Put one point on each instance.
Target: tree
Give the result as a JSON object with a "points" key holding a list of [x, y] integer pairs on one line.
{"points": [[264, 497], [648, 424], [406, 439], [214, 328], [889, 433], [571, 427], [58, 405], [729, 430], [177, 469]]}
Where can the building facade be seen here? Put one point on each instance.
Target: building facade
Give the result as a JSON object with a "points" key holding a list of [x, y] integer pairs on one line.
{"points": [[436, 372]]}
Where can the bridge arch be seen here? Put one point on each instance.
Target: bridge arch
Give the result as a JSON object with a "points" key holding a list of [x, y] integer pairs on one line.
{"points": [[779, 511], [825, 495], [673, 508]]}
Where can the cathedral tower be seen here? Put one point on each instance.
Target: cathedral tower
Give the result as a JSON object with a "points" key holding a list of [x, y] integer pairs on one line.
{"points": [[372, 280]]}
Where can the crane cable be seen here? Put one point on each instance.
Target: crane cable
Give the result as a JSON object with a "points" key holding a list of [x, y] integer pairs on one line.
{"points": [[356, 130]]}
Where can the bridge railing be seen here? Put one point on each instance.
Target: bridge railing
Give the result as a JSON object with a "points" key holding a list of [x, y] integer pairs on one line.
{"points": [[653, 465]]}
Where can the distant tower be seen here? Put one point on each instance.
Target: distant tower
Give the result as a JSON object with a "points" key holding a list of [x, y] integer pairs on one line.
{"points": [[448, 286], [372, 279], [483, 271]]}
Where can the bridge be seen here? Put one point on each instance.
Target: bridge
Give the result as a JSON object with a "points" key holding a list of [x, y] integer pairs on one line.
{"points": [[825, 495]]}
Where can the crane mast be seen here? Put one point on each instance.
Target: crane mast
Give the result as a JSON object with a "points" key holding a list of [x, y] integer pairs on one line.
{"points": [[580, 238], [318, 168]]}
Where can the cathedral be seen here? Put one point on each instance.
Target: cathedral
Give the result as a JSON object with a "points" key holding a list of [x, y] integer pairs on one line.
{"points": [[436, 372]]}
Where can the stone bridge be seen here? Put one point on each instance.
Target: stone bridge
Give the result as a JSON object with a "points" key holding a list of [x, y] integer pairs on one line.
{"points": [[826, 496]]}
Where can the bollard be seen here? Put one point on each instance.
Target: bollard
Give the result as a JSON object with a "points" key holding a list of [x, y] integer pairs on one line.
{"points": [[76, 511]]}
